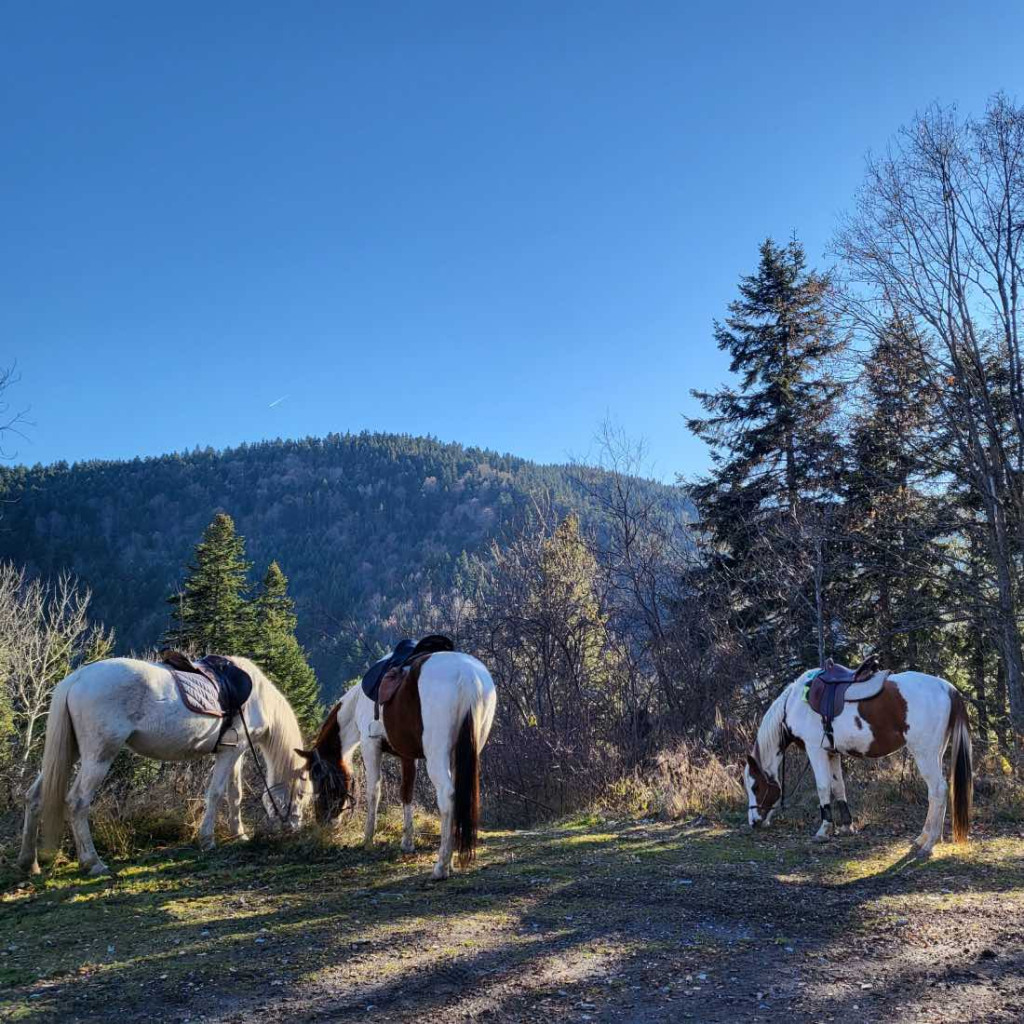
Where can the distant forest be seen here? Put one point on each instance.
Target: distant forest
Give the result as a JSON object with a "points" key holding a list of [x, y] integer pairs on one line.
{"points": [[359, 523]]}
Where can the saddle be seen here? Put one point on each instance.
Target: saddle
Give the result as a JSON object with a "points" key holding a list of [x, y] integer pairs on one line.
{"points": [[213, 685], [374, 681], [832, 686]]}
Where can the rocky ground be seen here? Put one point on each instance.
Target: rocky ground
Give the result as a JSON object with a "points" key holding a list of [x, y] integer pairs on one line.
{"points": [[590, 920]]}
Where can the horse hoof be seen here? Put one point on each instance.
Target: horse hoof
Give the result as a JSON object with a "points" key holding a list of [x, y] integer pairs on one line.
{"points": [[242, 837], [207, 845], [408, 847], [923, 852], [819, 838], [99, 868], [439, 874], [368, 845], [30, 869]]}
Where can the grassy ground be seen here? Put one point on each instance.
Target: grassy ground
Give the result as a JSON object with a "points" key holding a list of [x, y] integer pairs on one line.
{"points": [[589, 920]]}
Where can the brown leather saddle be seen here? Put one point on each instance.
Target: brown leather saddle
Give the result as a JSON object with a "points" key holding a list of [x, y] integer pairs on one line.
{"points": [[834, 685], [213, 686]]}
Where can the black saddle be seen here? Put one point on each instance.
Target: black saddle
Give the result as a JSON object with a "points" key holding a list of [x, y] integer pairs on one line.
{"points": [[403, 653], [213, 685], [826, 692]]}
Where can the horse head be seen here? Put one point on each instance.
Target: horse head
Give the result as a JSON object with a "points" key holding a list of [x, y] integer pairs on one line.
{"points": [[762, 789], [330, 775]]}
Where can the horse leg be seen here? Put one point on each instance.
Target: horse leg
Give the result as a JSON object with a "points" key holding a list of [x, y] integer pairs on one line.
{"points": [[234, 800], [91, 773], [930, 766], [819, 760], [439, 768], [27, 860], [215, 793], [842, 820], [408, 784], [371, 759]]}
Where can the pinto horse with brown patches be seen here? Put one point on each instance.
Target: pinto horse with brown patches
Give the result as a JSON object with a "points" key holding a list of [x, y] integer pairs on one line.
{"points": [[442, 712], [909, 709]]}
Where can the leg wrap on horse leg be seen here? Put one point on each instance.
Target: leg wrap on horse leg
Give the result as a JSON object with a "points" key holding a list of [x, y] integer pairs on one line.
{"points": [[826, 812], [842, 812]]}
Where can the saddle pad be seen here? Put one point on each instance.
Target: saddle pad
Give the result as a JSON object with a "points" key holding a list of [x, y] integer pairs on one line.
{"points": [[198, 693], [867, 689]]}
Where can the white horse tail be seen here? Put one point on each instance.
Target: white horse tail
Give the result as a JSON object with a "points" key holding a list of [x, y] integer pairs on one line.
{"points": [[466, 815], [962, 768], [59, 753]]}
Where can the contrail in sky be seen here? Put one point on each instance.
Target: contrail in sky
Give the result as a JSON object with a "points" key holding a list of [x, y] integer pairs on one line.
{"points": [[277, 401]]}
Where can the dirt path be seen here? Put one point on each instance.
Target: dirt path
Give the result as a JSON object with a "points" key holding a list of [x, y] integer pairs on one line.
{"points": [[591, 921]]}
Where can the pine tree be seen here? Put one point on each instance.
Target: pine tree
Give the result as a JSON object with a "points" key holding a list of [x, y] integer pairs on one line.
{"points": [[765, 506], [893, 520], [211, 613], [276, 650]]}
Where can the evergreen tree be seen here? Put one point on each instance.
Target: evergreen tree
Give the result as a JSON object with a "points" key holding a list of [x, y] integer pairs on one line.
{"points": [[276, 650], [765, 507], [211, 613], [894, 521]]}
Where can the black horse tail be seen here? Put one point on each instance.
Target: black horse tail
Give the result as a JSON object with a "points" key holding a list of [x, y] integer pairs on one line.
{"points": [[962, 768], [466, 817]]}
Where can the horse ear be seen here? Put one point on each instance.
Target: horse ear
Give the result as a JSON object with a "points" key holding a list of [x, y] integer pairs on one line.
{"points": [[307, 754], [752, 765]]}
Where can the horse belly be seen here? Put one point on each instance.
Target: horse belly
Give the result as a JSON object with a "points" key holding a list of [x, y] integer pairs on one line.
{"points": [[176, 737]]}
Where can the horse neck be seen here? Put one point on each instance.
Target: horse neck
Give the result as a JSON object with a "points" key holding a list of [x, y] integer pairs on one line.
{"points": [[281, 734], [348, 727], [771, 735]]}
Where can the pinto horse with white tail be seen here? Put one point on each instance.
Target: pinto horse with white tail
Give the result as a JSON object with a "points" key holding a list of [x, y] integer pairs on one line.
{"points": [[107, 705], [875, 714], [442, 710]]}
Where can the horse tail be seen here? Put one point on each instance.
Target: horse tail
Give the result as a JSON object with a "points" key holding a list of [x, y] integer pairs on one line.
{"points": [[962, 773], [59, 753], [466, 817]]}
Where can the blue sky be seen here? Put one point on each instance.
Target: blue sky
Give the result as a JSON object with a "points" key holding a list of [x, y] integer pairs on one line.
{"points": [[494, 223]]}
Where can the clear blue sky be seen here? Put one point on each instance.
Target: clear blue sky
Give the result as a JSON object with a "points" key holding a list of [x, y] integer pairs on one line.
{"points": [[495, 223]]}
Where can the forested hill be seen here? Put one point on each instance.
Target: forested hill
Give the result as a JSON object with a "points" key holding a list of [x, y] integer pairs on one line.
{"points": [[357, 522]]}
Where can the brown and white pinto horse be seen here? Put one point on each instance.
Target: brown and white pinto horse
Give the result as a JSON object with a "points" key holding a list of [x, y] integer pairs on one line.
{"points": [[920, 711], [442, 712]]}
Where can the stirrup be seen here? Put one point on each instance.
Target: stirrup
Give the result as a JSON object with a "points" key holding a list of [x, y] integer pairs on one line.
{"points": [[376, 729]]}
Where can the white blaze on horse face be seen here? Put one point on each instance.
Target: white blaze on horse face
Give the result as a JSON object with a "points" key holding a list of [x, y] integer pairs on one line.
{"points": [[753, 814]]}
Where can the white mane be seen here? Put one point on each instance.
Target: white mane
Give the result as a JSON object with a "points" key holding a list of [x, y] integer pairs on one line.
{"points": [[769, 732]]}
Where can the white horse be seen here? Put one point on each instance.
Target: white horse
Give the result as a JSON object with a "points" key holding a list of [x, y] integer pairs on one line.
{"points": [[104, 706], [921, 711], [443, 712]]}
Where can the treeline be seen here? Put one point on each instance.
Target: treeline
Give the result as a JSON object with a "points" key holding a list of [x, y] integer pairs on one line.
{"points": [[358, 522]]}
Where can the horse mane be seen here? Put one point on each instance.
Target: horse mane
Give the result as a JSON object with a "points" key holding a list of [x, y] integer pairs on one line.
{"points": [[769, 732], [283, 735]]}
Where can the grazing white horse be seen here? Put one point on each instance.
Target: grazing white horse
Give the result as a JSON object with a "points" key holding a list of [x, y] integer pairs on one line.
{"points": [[920, 711], [443, 712], [104, 706]]}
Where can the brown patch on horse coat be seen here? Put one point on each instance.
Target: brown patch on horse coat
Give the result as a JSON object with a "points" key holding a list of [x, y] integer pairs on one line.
{"points": [[403, 718], [886, 715]]}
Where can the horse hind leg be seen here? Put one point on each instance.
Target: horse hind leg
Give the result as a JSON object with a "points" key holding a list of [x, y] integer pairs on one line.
{"points": [[938, 794], [27, 859], [440, 771], [92, 772]]}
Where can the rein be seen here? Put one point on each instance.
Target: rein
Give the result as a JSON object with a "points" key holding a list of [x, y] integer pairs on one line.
{"points": [[283, 818]]}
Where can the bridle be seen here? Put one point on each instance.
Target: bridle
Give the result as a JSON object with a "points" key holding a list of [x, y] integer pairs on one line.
{"points": [[327, 772], [787, 738]]}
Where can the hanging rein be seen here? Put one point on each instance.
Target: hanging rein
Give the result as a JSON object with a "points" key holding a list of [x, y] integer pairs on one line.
{"points": [[282, 818]]}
